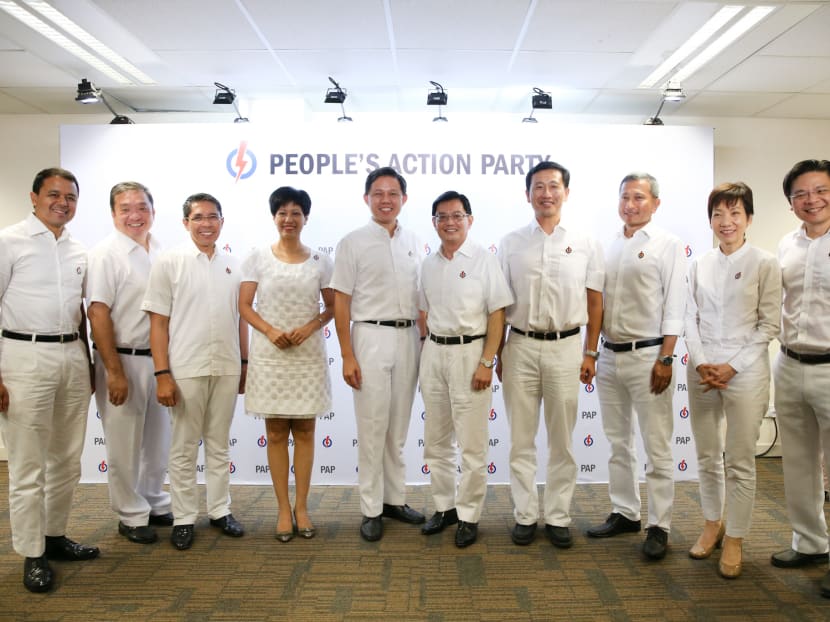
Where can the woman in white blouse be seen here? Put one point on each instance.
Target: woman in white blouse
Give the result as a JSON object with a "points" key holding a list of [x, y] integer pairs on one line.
{"points": [[733, 312]]}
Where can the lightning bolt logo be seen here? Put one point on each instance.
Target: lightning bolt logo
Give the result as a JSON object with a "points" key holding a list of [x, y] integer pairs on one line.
{"points": [[241, 162]]}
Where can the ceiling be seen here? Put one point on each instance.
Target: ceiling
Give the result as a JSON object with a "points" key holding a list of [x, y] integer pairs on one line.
{"points": [[488, 54]]}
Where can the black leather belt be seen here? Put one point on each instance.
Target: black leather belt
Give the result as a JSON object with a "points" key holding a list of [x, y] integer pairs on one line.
{"points": [[392, 323], [131, 351], [807, 359], [454, 341], [552, 336], [10, 334], [632, 345]]}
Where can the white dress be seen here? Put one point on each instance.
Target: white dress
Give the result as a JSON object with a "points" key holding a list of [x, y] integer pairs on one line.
{"points": [[291, 382]]}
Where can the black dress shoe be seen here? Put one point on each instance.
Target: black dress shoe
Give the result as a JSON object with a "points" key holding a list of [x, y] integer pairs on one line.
{"points": [[613, 525], [466, 534], [162, 520], [403, 513], [656, 542], [824, 587], [182, 536], [440, 521], [560, 537], [794, 559], [229, 526], [371, 528], [61, 547], [523, 534], [37, 575], [144, 534]]}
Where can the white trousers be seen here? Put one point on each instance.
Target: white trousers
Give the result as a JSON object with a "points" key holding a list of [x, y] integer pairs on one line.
{"points": [[138, 442], [204, 412], [388, 359], [536, 372], [624, 380], [802, 408], [728, 421], [455, 413], [43, 431]]}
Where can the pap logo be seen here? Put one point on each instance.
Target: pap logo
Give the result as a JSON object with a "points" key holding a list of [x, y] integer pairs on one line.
{"points": [[493, 249], [682, 466], [425, 469], [102, 467], [491, 468], [684, 360], [262, 441], [327, 442], [232, 468], [588, 441], [684, 413], [241, 162], [427, 249], [493, 415], [688, 251], [327, 332], [589, 388]]}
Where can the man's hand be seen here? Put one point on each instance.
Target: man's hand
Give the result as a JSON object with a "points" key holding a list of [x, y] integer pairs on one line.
{"points": [[117, 388], [660, 377], [588, 369], [482, 378], [4, 398], [351, 372], [715, 376], [166, 390]]}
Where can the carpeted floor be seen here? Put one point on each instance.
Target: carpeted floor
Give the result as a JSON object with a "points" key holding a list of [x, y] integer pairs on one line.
{"points": [[407, 576]]}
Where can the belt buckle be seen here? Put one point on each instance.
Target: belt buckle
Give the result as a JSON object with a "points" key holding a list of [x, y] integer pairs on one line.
{"points": [[401, 323]]}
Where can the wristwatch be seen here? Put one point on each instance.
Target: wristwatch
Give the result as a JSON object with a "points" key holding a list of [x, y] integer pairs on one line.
{"points": [[592, 353], [667, 360], [488, 363]]}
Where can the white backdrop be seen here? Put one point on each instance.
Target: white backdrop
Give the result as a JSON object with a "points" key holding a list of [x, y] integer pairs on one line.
{"points": [[242, 164]]}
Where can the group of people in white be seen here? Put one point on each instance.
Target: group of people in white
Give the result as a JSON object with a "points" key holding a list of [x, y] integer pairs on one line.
{"points": [[170, 353]]}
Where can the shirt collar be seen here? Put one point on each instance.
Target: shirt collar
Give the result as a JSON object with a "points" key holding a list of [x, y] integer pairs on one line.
{"points": [[35, 226], [379, 228]]}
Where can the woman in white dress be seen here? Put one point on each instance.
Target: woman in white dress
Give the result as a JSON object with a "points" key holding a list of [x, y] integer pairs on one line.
{"points": [[288, 381], [733, 312]]}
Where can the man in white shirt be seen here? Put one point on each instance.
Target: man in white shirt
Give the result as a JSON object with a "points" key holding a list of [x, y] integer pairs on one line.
{"points": [[645, 271], [376, 270], [802, 368], [44, 375], [200, 349], [556, 274], [463, 293], [136, 426]]}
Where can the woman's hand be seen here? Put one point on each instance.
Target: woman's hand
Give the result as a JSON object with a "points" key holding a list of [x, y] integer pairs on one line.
{"points": [[278, 338]]}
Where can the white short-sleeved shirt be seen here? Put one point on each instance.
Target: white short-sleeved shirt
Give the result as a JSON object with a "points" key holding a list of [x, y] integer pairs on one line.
{"points": [[379, 272], [645, 286], [733, 307], [805, 267], [200, 295], [459, 294], [42, 279], [119, 269], [549, 275]]}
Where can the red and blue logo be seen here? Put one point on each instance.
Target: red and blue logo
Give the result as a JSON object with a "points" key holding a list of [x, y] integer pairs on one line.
{"points": [[589, 388], [684, 413], [262, 441], [232, 468], [425, 469], [102, 467], [682, 466], [491, 468], [688, 251], [588, 441], [327, 442], [241, 162], [685, 359], [493, 415]]}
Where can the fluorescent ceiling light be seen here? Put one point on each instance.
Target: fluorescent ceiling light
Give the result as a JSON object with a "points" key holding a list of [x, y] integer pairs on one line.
{"points": [[87, 39], [726, 39], [715, 23], [53, 35]]}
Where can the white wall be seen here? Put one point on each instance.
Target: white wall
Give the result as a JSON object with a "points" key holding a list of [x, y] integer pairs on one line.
{"points": [[756, 151]]}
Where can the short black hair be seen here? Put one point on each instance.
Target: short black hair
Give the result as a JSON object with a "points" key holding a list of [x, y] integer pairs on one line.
{"points": [[196, 198], [54, 171], [805, 166], [384, 171], [451, 195], [285, 195], [547, 165], [126, 186], [730, 193]]}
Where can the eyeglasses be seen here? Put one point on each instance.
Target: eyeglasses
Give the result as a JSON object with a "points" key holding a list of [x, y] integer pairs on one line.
{"points": [[454, 217], [801, 195], [211, 218]]}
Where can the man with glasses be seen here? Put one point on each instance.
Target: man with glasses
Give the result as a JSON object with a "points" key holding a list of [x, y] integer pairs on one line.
{"points": [[200, 349], [463, 293], [376, 270], [136, 426], [802, 368], [556, 274], [645, 300], [44, 375]]}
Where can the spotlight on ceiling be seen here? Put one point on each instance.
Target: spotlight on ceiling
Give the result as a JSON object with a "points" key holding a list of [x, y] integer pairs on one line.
{"points": [[437, 97], [226, 95], [88, 93], [672, 92], [539, 101], [337, 95]]}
